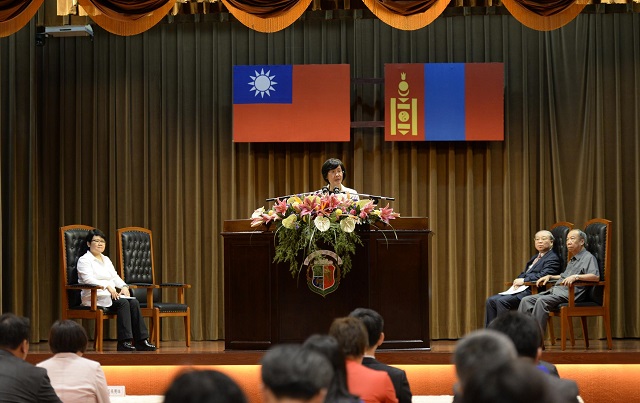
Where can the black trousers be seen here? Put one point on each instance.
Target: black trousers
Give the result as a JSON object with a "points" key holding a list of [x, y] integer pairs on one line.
{"points": [[130, 321]]}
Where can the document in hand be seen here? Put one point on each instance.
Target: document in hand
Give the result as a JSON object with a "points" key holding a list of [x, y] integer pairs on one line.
{"points": [[514, 290]]}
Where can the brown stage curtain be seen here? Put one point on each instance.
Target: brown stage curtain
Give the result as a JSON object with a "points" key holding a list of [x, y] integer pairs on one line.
{"points": [[267, 15], [407, 15], [15, 14], [136, 131], [547, 15], [126, 17]]}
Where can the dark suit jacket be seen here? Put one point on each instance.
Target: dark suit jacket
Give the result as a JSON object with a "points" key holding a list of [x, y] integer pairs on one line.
{"points": [[563, 390], [549, 264], [398, 378], [22, 382]]}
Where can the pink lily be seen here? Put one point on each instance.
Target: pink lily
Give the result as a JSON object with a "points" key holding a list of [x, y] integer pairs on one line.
{"points": [[386, 214]]}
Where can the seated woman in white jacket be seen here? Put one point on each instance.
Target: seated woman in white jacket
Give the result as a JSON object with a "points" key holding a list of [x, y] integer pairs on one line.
{"points": [[96, 268]]}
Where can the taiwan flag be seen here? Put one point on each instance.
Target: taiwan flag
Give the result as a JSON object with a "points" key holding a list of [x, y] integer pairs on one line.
{"points": [[444, 102], [291, 103]]}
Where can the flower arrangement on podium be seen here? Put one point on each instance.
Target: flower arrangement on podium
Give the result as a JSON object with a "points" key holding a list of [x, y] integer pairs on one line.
{"points": [[304, 221]]}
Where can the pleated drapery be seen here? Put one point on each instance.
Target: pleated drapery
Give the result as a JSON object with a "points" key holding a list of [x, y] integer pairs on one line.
{"points": [[130, 18], [136, 131], [15, 14], [122, 17]]}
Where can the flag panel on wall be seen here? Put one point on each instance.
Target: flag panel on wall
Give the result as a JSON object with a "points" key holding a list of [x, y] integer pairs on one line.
{"points": [[444, 102], [291, 103]]}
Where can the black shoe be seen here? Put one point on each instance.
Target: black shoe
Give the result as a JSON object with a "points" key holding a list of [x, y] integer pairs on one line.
{"points": [[144, 345], [126, 345]]}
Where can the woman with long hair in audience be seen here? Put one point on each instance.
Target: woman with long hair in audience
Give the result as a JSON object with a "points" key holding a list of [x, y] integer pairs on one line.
{"points": [[328, 346]]}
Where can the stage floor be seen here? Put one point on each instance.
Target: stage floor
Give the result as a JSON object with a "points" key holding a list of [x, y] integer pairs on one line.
{"points": [[625, 351]]}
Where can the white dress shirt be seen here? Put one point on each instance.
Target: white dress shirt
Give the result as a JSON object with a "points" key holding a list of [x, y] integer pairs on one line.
{"points": [[92, 271]]}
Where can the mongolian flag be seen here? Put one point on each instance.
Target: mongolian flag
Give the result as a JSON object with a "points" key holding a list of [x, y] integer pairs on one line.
{"points": [[291, 103], [444, 102]]}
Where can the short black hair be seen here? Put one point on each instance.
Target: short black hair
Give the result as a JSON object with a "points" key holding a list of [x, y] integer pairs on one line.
{"points": [[523, 330], [479, 349], [95, 232], [332, 163], [291, 371], [373, 322], [67, 336], [508, 382], [13, 330], [207, 386]]}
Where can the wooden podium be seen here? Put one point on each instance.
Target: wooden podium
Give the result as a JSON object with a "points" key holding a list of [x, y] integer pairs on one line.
{"points": [[265, 305]]}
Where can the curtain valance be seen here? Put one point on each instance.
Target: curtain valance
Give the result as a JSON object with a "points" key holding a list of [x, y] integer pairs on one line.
{"points": [[15, 14]]}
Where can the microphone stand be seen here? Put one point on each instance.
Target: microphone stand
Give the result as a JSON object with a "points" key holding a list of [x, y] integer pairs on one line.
{"points": [[376, 198], [270, 199]]}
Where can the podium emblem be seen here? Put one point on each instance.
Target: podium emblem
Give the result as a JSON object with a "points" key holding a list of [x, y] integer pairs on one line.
{"points": [[323, 271]]}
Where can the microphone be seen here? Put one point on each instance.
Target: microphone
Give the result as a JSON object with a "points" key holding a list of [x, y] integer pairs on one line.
{"points": [[325, 190], [336, 190]]}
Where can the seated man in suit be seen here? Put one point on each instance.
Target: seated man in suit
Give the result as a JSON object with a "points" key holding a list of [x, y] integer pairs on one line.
{"points": [[545, 262], [526, 336], [20, 381], [583, 266], [374, 324]]}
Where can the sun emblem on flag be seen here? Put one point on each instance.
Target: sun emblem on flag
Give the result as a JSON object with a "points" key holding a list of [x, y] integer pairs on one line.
{"points": [[262, 83]]}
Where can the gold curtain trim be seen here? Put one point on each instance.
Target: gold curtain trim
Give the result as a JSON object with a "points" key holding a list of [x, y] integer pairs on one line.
{"points": [[126, 26], [270, 24], [408, 22], [15, 23], [539, 22]]}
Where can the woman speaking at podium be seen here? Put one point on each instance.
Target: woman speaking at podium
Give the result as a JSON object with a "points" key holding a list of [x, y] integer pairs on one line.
{"points": [[333, 172]]}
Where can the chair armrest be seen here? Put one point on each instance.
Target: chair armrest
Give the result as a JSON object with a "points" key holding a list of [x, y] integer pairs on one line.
{"points": [[572, 289], [141, 285], [180, 287], [94, 292], [83, 287], [149, 287], [175, 285]]}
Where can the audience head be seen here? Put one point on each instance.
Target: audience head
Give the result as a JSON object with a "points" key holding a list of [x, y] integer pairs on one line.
{"points": [[523, 330], [293, 373], [480, 349], [328, 346], [330, 164], [14, 334], [67, 336], [351, 336], [204, 386], [512, 381], [373, 322]]}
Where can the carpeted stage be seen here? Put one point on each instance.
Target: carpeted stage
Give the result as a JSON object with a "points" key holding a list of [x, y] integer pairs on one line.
{"points": [[602, 375]]}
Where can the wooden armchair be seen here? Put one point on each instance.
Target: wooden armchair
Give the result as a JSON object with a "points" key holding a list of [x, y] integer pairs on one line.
{"points": [[72, 246], [135, 259], [597, 303]]}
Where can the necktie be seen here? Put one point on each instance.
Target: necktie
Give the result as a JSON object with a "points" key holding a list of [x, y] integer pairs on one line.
{"points": [[535, 261]]}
